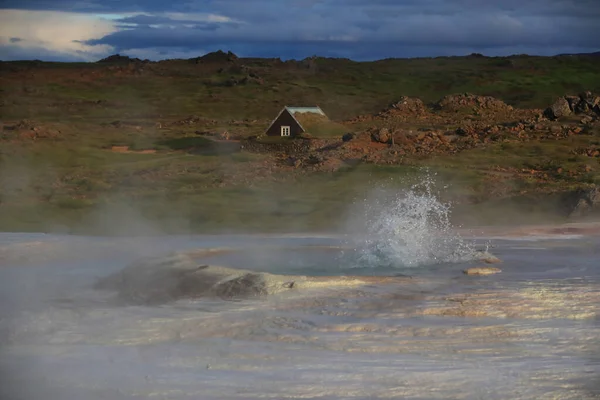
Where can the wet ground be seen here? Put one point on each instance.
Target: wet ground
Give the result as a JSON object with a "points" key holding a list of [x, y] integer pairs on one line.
{"points": [[530, 332]]}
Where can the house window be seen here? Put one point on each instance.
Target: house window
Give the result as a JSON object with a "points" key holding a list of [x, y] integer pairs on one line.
{"points": [[285, 131]]}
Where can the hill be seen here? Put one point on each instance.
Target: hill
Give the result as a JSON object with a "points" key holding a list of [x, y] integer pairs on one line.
{"points": [[85, 144], [594, 54]]}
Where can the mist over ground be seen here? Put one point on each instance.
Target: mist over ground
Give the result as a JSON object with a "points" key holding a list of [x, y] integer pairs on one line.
{"points": [[434, 235]]}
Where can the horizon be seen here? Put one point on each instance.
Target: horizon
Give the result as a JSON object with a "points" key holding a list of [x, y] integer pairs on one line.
{"points": [[359, 30], [472, 55]]}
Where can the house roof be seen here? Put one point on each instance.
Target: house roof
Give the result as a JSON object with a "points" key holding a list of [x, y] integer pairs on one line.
{"points": [[294, 110], [315, 110]]}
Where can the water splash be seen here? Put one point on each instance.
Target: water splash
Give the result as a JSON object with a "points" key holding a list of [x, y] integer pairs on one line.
{"points": [[409, 228]]}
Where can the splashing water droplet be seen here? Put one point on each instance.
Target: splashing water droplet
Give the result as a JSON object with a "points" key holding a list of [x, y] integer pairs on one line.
{"points": [[409, 228]]}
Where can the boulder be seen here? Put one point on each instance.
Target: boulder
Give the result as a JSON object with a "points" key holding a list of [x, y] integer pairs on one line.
{"points": [[583, 103], [582, 107], [573, 102], [348, 137], [381, 136], [559, 109], [589, 99], [408, 105]]}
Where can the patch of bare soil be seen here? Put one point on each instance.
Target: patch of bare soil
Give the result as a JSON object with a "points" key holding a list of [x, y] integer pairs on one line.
{"points": [[126, 149]]}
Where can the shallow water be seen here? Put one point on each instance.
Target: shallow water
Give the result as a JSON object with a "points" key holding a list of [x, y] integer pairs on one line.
{"points": [[531, 332]]}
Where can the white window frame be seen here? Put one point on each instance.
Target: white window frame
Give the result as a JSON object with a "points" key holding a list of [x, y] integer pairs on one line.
{"points": [[285, 130]]}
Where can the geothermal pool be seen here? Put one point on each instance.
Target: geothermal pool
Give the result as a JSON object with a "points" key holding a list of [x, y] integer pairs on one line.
{"points": [[425, 331]]}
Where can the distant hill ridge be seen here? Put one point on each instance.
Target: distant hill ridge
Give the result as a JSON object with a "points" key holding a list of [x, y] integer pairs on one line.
{"points": [[594, 54], [221, 56], [117, 58]]}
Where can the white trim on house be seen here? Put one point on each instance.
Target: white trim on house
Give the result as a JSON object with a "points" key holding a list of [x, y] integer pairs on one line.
{"points": [[285, 130]]}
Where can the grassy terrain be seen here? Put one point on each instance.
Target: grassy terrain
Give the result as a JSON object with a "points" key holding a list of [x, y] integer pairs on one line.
{"points": [[74, 182], [342, 88]]}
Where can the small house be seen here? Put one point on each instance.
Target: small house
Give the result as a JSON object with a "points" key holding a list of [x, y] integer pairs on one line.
{"points": [[288, 122]]}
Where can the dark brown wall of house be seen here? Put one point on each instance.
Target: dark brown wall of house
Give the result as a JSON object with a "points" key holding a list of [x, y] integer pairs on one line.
{"points": [[285, 119]]}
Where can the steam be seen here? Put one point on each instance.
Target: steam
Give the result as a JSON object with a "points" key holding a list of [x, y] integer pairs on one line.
{"points": [[409, 228]]}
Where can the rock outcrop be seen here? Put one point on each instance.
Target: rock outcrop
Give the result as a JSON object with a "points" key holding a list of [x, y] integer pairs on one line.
{"points": [[119, 59], [407, 105], [588, 102], [560, 108], [564, 106], [216, 57], [381, 136], [458, 102], [178, 276]]}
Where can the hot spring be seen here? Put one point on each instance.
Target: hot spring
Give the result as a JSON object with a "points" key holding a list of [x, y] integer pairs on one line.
{"points": [[381, 311]]}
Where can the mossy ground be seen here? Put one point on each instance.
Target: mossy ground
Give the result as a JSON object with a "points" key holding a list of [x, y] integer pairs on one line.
{"points": [[76, 183]]}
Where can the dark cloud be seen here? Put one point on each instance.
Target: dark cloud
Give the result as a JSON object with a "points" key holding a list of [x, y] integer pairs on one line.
{"points": [[145, 23], [81, 5], [357, 29], [581, 8], [15, 40], [105, 6]]}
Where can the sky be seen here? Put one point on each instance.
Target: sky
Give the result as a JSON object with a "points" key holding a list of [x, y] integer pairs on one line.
{"points": [[88, 30]]}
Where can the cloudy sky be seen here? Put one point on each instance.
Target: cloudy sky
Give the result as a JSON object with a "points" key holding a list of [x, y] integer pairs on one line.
{"points": [[87, 30]]}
